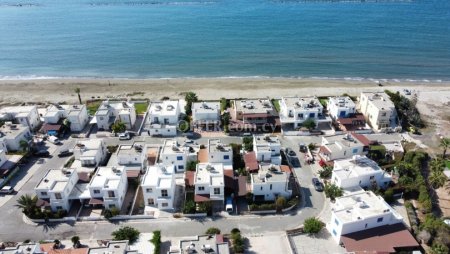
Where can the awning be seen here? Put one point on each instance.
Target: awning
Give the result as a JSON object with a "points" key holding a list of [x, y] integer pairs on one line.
{"points": [[42, 203], [133, 173], [189, 178], [96, 201], [201, 198]]}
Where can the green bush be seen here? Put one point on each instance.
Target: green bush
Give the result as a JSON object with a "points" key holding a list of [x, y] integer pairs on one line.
{"points": [[238, 242], [280, 203], [248, 144], [312, 225], [235, 231], [212, 231], [189, 207], [439, 248], [326, 172], [389, 196], [126, 233], [332, 191], [156, 240]]}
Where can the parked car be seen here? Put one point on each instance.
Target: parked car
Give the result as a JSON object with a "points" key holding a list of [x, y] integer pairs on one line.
{"points": [[303, 148], [317, 184], [229, 205], [290, 152], [65, 153], [54, 140], [124, 136], [7, 190], [42, 153]]}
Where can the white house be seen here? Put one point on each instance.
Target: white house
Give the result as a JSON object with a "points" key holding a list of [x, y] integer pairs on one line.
{"points": [[25, 115], [270, 182], [109, 112], [163, 118], [24, 248], [55, 187], [158, 186], [340, 107], [76, 114], [341, 147], [131, 155], [379, 110], [219, 152], [209, 183], [110, 185], [90, 152], [12, 134], [206, 112], [173, 153], [267, 148], [359, 171], [359, 211], [295, 110]]}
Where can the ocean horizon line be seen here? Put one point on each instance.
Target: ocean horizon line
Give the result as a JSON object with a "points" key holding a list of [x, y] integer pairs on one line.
{"points": [[360, 79]]}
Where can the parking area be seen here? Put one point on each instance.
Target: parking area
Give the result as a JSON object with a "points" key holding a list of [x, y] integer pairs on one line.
{"points": [[320, 243]]}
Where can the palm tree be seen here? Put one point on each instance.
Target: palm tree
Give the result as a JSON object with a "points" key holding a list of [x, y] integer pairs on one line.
{"points": [[27, 203], [445, 143], [437, 179], [77, 91]]}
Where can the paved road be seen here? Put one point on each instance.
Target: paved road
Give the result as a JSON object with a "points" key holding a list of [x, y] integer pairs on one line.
{"points": [[12, 227]]}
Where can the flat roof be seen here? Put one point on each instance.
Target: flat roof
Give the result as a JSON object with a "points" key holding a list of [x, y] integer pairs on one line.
{"points": [[206, 107], [355, 166], [13, 130], [307, 103], [90, 144], [216, 145], [107, 177], [167, 108], [270, 173], [171, 146], [214, 244], [254, 106], [209, 173], [134, 149], [157, 175], [17, 109], [342, 101], [379, 99], [56, 179], [345, 140], [360, 204], [113, 247]]}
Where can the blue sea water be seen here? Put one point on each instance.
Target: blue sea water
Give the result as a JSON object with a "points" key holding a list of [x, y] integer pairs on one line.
{"points": [[225, 38]]}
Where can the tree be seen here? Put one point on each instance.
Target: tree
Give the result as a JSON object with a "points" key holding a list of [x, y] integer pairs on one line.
{"points": [[76, 241], [309, 124], [191, 165], [280, 203], [212, 231], [126, 233], [326, 172], [190, 97], [156, 240], [437, 179], [312, 225], [23, 145], [189, 207], [77, 91], [439, 248], [248, 144], [332, 191], [444, 143], [118, 127], [27, 203]]}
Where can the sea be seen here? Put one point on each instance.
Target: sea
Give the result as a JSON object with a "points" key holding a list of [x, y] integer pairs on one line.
{"points": [[394, 40]]}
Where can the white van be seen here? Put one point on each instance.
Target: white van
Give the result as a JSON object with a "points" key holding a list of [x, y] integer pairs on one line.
{"points": [[54, 140], [229, 205]]}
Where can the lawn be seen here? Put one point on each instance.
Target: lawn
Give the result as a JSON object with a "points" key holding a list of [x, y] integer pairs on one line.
{"points": [[92, 106], [276, 104], [141, 108], [447, 164]]}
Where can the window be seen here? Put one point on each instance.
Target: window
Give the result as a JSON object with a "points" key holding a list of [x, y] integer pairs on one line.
{"points": [[226, 157], [59, 208], [44, 193], [179, 158], [112, 206], [365, 226], [180, 167], [111, 194], [164, 205], [270, 186], [334, 232], [201, 188], [101, 118], [312, 115], [300, 116], [149, 190], [96, 191], [164, 193], [372, 177], [380, 219], [261, 188], [355, 150], [383, 114], [150, 201], [336, 221], [58, 196], [216, 191]]}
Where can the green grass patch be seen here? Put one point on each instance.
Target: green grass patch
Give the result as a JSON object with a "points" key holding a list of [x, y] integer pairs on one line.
{"points": [[92, 106], [447, 164], [324, 102], [276, 104], [141, 108]]}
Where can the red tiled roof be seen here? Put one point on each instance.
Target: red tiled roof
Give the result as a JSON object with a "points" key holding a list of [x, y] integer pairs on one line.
{"points": [[363, 139], [285, 168], [96, 201], [242, 184], [42, 203], [83, 177], [229, 178], [189, 178], [251, 164], [219, 239], [324, 149], [133, 173], [152, 153], [201, 197], [202, 155], [251, 115], [351, 120], [384, 239], [50, 127], [48, 248]]}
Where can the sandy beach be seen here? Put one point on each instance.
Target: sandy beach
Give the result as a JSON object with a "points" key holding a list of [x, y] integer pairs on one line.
{"points": [[433, 98]]}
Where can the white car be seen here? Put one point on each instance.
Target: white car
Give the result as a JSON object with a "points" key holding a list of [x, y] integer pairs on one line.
{"points": [[124, 136], [7, 190]]}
